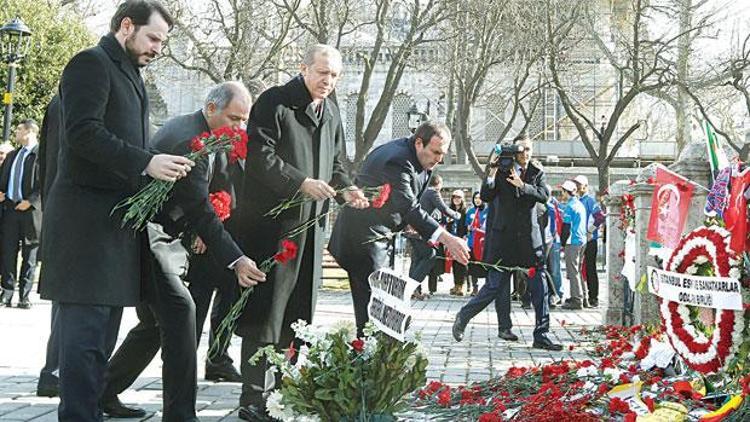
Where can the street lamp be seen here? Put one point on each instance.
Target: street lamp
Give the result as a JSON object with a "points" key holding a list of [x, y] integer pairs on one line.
{"points": [[15, 40], [415, 117]]}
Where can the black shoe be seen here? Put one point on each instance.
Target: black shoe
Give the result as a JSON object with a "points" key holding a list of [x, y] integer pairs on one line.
{"points": [[573, 305], [254, 413], [586, 303], [48, 387], [525, 305], [458, 329], [547, 344], [593, 303], [24, 304], [113, 408], [224, 372], [507, 335]]}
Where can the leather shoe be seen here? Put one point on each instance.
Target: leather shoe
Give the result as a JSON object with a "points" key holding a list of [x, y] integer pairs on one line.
{"points": [[547, 344], [254, 413], [507, 335], [458, 329], [573, 305], [47, 390], [224, 372], [113, 408], [24, 304]]}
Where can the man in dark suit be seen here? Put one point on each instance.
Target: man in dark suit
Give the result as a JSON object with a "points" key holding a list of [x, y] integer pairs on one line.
{"points": [[49, 147], [103, 159], [358, 241], [513, 240], [296, 146], [22, 213], [170, 323]]}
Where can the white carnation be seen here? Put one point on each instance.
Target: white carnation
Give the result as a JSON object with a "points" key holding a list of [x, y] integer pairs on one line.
{"points": [[277, 409], [701, 259], [588, 371], [371, 346], [347, 328]]}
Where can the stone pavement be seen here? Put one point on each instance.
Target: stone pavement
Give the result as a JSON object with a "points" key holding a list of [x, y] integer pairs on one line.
{"points": [[23, 336]]}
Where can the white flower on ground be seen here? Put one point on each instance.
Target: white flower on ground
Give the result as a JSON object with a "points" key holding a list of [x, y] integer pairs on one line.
{"points": [[277, 409], [588, 371]]}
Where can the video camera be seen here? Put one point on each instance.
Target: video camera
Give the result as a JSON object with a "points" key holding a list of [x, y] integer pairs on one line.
{"points": [[506, 156]]}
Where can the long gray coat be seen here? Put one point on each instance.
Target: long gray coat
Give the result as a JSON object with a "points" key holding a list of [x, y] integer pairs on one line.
{"points": [[287, 144]]}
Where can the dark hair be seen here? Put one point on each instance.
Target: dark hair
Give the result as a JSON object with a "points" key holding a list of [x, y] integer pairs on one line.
{"points": [[435, 180], [139, 11], [474, 197], [461, 208], [521, 137], [430, 128]]}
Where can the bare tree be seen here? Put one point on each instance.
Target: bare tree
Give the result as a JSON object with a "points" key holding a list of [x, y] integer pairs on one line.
{"points": [[231, 39], [326, 21], [641, 65]]}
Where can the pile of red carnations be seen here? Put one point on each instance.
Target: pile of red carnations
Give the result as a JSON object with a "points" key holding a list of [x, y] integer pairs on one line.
{"points": [[611, 385]]}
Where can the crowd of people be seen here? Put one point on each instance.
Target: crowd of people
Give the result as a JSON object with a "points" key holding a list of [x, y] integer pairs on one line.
{"points": [[96, 150]]}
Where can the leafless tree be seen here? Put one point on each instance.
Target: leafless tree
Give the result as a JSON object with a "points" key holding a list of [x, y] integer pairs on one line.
{"points": [[231, 39], [642, 64]]}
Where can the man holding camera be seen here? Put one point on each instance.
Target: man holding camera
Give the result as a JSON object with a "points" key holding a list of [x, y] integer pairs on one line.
{"points": [[513, 186]]}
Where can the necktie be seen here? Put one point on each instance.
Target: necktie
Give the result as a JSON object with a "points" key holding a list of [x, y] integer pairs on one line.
{"points": [[18, 171], [523, 172]]}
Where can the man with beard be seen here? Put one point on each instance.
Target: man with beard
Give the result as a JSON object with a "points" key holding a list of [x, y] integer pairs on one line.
{"points": [[92, 265], [295, 146]]}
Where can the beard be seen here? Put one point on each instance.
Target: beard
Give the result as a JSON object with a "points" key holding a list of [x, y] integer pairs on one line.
{"points": [[133, 53]]}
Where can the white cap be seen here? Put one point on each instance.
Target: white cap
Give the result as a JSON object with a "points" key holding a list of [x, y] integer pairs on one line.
{"points": [[458, 192], [569, 186], [581, 180]]}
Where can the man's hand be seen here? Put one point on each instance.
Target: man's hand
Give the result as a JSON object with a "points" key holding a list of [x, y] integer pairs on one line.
{"points": [[514, 179], [199, 247], [168, 167], [456, 246], [317, 189], [355, 198], [2, 196], [492, 166], [247, 272], [23, 205]]}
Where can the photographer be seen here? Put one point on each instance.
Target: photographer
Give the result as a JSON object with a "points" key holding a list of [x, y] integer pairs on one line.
{"points": [[513, 187]]}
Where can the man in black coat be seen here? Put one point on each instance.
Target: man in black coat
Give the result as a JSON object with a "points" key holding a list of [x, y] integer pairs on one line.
{"points": [[295, 147], [103, 159], [170, 324], [49, 147], [513, 240], [20, 193], [359, 237]]}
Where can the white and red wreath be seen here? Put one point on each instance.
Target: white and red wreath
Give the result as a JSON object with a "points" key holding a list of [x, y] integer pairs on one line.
{"points": [[700, 352]]}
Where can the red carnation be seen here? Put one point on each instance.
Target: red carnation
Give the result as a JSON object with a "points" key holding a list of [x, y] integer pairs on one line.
{"points": [[287, 253], [358, 345], [196, 144], [291, 352], [444, 397], [532, 272], [223, 131], [222, 203], [383, 194], [239, 148]]}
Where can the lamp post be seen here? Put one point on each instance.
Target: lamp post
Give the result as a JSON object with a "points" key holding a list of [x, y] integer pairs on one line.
{"points": [[15, 39], [415, 117]]}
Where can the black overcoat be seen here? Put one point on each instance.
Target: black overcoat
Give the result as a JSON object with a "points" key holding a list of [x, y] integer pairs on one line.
{"points": [[513, 236], [358, 240], [88, 257], [287, 143]]}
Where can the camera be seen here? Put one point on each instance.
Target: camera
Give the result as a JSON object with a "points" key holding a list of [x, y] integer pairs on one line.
{"points": [[506, 156]]}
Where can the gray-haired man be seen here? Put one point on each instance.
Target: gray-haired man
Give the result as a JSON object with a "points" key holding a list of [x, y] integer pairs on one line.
{"points": [[168, 321]]}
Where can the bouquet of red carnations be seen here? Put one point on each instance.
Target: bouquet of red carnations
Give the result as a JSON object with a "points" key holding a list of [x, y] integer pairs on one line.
{"points": [[143, 206]]}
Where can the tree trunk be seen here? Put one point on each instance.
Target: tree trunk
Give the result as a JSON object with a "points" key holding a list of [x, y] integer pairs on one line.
{"points": [[603, 168]]}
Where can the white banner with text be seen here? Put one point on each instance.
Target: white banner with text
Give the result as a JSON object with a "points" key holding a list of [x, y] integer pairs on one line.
{"points": [[390, 302], [707, 292]]}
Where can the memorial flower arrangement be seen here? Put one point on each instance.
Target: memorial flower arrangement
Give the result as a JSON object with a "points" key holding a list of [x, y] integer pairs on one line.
{"points": [[146, 203], [612, 385], [705, 348], [339, 377], [286, 253]]}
